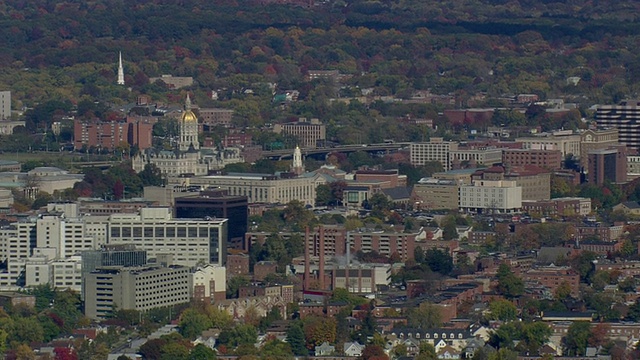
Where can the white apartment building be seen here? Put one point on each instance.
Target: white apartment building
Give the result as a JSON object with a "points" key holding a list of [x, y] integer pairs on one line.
{"points": [[491, 195], [566, 143], [482, 156], [209, 283], [435, 150], [190, 242], [260, 188]]}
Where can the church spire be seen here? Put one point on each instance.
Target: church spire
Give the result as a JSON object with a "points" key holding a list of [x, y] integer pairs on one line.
{"points": [[187, 103], [120, 71], [297, 167]]}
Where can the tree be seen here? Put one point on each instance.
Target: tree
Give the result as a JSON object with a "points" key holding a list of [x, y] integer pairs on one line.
{"points": [[175, 350], [449, 230], [373, 352], [239, 335], [202, 352], [563, 291], [439, 261], [427, 352], [65, 353], [295, 338], [24, 352], [193, 323], [318, 330], [323, 195], [151, 176], [503, 310], [425, 316], [599, 335], [234, 284], [152, 348], [577, 338], [276, 349], [508, 283]]}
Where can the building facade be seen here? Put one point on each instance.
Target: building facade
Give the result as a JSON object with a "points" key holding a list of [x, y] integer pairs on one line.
{"points": [[625, 117], [434, 194], [491, 195], [308, 132], [209, 283], [261, 188], [135, 288], [190, 242], [212, 117], [568, 143], [435, 150], [595, 140], [5, 105], [546, 159], [559, 206], [217, 204], [607, 165]]}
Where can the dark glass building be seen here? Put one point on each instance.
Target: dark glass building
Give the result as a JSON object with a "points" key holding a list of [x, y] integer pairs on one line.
{"points": [[217, 204]]}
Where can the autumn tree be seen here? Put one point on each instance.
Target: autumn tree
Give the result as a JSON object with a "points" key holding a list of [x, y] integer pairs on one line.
{"points": [[503, 310], [318, 330]]}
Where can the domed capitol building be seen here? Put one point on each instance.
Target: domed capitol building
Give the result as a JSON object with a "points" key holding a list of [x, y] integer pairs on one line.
{"points": [[188, 157]]}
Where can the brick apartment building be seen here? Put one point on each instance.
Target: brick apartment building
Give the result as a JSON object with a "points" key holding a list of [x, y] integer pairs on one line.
{"points": [[552, 277], [110, 134], [600, 231], [546, 159], [237, 264], [558, 206], [212, 117]]}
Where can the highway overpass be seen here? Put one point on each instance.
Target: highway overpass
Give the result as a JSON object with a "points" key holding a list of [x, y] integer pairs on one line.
{"points": [[371, 148]]}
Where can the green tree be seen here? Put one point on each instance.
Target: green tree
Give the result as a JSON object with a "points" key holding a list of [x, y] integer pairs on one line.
{"points": [[276, 349], [439, 261], [449, 230], [508, 283], [323, 195], [151, 176], [193, 323], [202, 352], [577, 338], [503, 310], [425, 316], [295, 338], [234, 284], [239, 335], [173, 350], [426, 352]]}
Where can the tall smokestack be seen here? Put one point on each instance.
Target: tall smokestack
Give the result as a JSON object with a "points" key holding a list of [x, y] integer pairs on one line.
{"points": [[307, 260], [321, 268]]}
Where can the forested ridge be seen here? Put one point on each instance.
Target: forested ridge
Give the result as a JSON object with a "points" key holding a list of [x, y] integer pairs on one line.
{"points": [[67, 50]]}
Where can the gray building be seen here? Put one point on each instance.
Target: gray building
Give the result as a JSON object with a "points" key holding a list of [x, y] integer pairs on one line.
{"points": [[5, 105], [135, 288], [124, 255]]}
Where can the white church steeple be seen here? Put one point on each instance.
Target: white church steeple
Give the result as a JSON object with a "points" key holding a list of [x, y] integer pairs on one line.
{"points": [[120, 71], [297, 167]]}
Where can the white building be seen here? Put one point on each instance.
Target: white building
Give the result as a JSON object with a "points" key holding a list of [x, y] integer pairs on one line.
{"points": [[261, 188], [567, 142], [491, 195], [190, 242], [62, 274], [481, 155], [435, 150], [209, 283]]}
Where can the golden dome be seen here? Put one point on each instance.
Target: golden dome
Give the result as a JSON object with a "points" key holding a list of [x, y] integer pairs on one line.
{"points": [[189, 116]]}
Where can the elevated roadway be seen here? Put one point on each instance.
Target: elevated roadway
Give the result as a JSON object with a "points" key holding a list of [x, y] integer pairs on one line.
{"points": [[288, 153]]}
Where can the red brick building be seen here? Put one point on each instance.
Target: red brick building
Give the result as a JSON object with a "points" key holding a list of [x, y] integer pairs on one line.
{"points": [[554, 276], [388, 178], [607, 165], [548, 159], [237, 264], [264, 268], [110, 134]]}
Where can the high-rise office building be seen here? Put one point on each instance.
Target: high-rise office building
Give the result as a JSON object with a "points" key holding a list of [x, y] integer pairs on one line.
{"points": [[607, 165], [625, 117], [218, 204]]}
